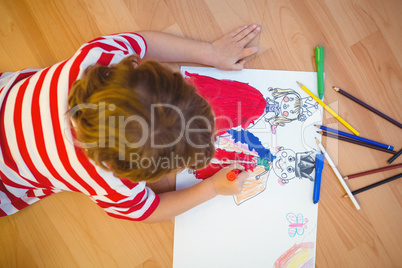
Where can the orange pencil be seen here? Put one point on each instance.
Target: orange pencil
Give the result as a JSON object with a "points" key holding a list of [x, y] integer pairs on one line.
{"points": [[231, 176]]}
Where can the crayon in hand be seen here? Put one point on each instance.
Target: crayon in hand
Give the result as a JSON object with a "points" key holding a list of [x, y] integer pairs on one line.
{"points": [[231, 176]]}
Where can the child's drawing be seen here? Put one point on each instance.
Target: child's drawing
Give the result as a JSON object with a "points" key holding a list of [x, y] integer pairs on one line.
{"points": [[299, 255], [234, 103], [245, 148], [286, 106], [243, 141], [252, 186], [266, 128], [297, 224], [289, 165]]}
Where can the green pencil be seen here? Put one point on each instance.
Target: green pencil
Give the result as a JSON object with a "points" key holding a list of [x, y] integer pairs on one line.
{"points": [[319, 59]]}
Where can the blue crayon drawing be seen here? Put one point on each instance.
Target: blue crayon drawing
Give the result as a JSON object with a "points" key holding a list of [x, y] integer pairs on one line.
{"points": [[253, 142], [265, 157]]}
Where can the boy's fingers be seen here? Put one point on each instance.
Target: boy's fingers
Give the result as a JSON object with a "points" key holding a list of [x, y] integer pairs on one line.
{"points": [[249, 51], [239, 65], [230, 167], [244, 174], [234, 165], [245, 32], [242, 177], [238, 166], [249, 36], [238, 30]]}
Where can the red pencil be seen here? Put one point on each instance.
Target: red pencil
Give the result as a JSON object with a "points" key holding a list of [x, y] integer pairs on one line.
{"points": [[372, 171]]}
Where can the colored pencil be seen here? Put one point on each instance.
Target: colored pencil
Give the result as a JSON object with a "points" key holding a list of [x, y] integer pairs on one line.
{"points": [[342, 138], [375, 184], [231, 176], [338, 175], [392, 159], [372, 171], [319, 59], [365, 105], [326, 107], [341, 133]]}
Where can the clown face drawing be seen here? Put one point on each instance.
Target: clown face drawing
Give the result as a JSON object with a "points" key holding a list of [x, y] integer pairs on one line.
{"points": [[286, 106], [289, 165]]}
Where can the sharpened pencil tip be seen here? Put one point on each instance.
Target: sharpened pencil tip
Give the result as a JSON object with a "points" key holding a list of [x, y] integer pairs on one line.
{"points": [[317, 141], [335, 88]]}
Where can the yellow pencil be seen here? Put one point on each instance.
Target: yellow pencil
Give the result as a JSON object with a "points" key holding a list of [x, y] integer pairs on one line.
{"points": [[326, 107]]}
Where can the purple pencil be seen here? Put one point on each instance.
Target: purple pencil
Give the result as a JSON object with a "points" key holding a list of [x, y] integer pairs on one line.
{"points": [[367, 106]]}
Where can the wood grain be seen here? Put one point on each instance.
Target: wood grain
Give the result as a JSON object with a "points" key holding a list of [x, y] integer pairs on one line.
{"points": [[362, 40]]}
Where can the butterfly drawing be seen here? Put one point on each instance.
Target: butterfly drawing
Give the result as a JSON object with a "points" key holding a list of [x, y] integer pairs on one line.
{"points": [[297, 224]]}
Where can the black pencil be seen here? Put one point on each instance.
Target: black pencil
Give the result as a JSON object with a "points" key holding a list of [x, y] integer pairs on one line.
{"points": [[342, 138], [375, 184], [365, 105], [392, 159]]}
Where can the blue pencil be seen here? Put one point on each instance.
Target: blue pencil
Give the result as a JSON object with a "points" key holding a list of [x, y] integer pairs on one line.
{"points": [[341, 133], [319, 165]]}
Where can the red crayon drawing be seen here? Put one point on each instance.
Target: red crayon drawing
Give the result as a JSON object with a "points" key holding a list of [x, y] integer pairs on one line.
{"points": [[226, 158], [234, 103]]}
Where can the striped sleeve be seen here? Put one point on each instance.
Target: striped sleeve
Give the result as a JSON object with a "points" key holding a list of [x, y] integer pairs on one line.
{"points": [[136, 206], [106, 50], [128, 200], [128, 43]]}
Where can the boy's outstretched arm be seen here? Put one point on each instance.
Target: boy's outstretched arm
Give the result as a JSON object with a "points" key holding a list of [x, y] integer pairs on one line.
{"points": [[225, 53], [176, 202]]}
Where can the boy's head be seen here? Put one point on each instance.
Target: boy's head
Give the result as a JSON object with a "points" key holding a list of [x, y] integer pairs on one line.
{"points": [[141, 120]]}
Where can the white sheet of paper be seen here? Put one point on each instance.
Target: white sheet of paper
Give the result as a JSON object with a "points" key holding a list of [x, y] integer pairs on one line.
{"points": [[274, 228]]}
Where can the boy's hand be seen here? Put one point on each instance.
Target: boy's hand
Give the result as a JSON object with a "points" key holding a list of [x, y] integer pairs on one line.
{"points": [[230, 51], [225, 187]]}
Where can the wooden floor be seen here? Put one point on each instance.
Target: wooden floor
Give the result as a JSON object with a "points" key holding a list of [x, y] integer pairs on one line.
{"points": [[363, 46]]}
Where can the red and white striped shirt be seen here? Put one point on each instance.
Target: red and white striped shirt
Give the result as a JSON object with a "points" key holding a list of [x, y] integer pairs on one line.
{"points": [[37, 155]]}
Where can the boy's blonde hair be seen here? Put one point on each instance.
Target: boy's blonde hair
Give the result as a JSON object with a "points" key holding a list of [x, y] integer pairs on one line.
{"points": [[146, 92]]}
